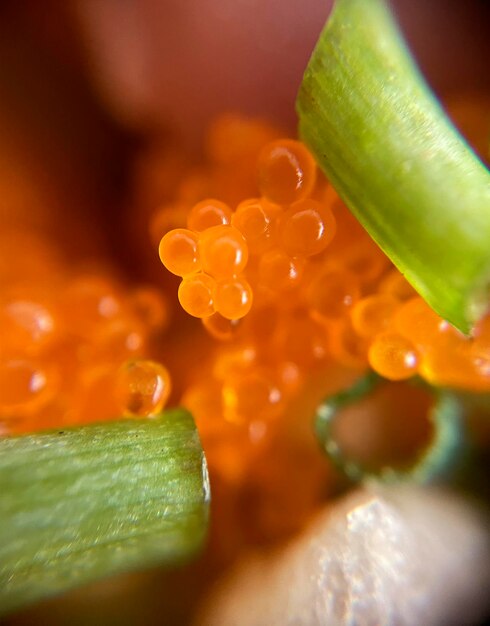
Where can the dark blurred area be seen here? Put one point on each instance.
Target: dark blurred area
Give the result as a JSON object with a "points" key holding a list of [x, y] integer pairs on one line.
{"points": [[64, 159], [71, 134]]}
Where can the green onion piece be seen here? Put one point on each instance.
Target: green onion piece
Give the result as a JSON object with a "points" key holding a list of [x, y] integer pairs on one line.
{"points": [[382, 139], [446, 415], [80, 504]]}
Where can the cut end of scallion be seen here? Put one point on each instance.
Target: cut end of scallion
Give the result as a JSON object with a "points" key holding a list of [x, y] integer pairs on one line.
{"points": [[84, 503]]}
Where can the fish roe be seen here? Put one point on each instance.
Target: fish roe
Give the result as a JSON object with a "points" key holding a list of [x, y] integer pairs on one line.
{"points": [[118, 340], [332, 294], [393, 356], [279, 272], [179, 252], [142, 388], [416, 321], [89, 301], [373, 314], [396, 285], [233, 298], [169, 217], [197, 295], [286, 171], [256, 222], [224, 251], [347, 347], [364, 260], [252, 395], [232, 138], [304, 341], [150, 306], [25, 386], [26, 326], [221, 328], [208, 213], [62, 342], [234, 360], [480, 346], [306, 228], [94, 399]]}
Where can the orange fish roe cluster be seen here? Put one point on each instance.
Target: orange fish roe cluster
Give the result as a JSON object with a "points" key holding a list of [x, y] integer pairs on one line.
{"points": [[294, 254], [74, 348], [288, 284]]}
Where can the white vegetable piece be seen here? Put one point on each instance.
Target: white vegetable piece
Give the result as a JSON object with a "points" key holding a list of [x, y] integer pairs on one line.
{"points": [[380, 556]]}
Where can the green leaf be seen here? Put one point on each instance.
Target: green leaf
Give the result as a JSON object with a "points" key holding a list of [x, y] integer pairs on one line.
{"points": [[384, 142], [80, 504]]}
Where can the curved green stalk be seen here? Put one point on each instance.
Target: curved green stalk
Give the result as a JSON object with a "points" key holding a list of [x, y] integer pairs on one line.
{"points": [[384, 142], [80, 504], [445, 415]]}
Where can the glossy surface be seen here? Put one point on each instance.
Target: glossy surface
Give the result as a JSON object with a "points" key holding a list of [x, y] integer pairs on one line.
{"points": [[179, 252], [142, 388]]}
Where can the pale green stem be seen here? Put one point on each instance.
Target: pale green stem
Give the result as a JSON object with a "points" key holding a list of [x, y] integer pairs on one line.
{"points": [[80, 504], [383, 140]]}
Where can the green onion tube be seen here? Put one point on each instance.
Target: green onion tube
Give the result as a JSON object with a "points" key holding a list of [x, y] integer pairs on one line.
{"points": [[401, 167], [446, 416], [80, 504]]}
